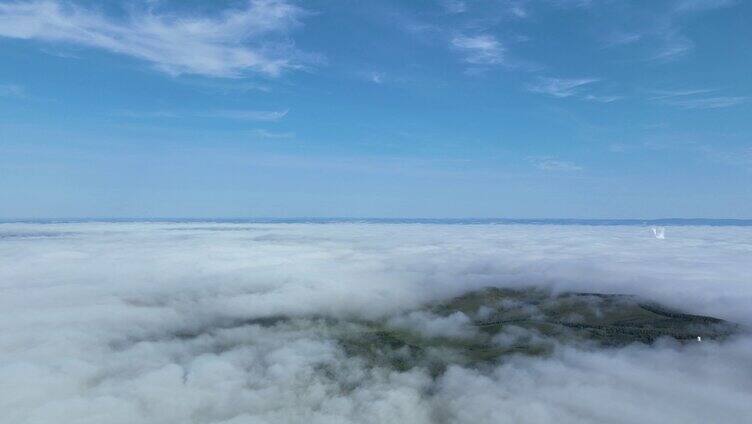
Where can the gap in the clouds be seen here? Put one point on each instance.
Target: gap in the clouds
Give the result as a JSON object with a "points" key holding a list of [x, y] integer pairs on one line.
{"points": [[476, 329]]}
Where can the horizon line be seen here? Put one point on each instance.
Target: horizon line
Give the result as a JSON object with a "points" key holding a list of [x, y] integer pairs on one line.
{"points": [[395, 220]]}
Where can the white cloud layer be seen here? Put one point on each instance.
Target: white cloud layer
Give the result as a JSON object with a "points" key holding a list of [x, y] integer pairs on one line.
{"points": [[152, 323], [236, 41]]}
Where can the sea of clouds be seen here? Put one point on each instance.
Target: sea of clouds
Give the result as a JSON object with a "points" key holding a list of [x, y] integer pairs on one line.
{"points": [[155, 323]]}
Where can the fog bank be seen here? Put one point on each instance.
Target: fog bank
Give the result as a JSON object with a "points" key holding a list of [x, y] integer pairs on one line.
{"points": [[159, 323]]}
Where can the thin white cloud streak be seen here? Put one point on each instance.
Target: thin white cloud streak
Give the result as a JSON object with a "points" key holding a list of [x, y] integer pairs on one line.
{"points": [[702, 5], [375, 77], [665, 94], [708, 102], [555, 165], [100, 322], [233, 114], [559, 87], [156, 114], [602, 99], [569, 87], [235, 42], [741, 156], [623, 38], [262, 133], [657, 31], [675, 46], [454, 6], [479, 49], [518, 10], [665, 39], [698, 99], [225, 86], [247, 115]]}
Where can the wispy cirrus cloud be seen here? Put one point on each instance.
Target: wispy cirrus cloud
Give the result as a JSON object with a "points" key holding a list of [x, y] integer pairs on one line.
{"points": [[658, 28], [480, 49], [548, 163], [559, 87], [673, 45], [707, 102], [517, 9], [676, 43], [272, 135], [700, 5], [247, 114], [697, 99], [570, 87], [735, 157], [225, 86], [666, 94], [248, 39], [376, 77], [621, 38], [454, 6], [602, 99]]}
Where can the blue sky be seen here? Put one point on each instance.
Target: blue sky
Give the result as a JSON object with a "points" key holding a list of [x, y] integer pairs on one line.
{"points": [[270, 108]]}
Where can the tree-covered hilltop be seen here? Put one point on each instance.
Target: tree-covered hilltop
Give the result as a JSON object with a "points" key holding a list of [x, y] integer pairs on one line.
{"points": [[485, 326]]}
